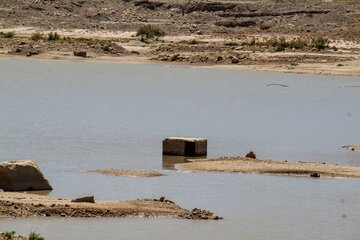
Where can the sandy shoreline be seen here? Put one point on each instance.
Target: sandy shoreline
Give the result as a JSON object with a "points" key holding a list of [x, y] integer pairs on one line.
{"points": [[271, 167], [14, 204], [351, 69]]}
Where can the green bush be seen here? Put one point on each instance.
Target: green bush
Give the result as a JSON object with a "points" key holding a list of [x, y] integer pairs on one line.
{"points": [[150, 31], [7, 35], [320, 43], [281, 44], [53, 36], [298, 43], [35, 236], [9, 234]]}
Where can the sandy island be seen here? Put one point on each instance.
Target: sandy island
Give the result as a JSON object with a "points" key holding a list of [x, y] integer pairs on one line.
{"points": [[32, 205], [126, 173], [249, 165]]}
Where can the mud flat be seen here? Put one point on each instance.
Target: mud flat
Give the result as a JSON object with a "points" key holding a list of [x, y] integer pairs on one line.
{"points": [[32, 205], [125, 173], [249, 165]]}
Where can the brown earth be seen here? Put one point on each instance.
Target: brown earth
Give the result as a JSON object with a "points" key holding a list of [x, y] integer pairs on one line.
{"points": [[255, 166], [224, 33], [126, 173], [32, 205]]}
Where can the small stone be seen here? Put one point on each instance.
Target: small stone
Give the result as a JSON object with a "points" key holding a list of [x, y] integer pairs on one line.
{"points": [[80, 54], [88, 199], [234, 60], [251, 154]]}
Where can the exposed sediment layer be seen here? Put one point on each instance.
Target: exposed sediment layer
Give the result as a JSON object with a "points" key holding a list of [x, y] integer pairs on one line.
{"points": [[125, 173], [32, 205], [248, 165]]}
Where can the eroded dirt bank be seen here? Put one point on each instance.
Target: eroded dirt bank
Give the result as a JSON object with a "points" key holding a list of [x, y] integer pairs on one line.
{"points": [[249, 165], [32, 205]]}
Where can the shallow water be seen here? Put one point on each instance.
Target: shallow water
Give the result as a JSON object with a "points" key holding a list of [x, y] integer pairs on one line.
{"points": [[72, 116]]}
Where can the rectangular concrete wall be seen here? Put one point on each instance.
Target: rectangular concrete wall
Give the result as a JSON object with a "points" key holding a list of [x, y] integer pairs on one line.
{"points": [[185, 146]]}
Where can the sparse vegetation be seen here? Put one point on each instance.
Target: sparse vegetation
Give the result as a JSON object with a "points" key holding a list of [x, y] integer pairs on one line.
{"points": [[53, 36], [107, 47], [35, 236], [320, 43], [7, 35], [88, 41], [280, 44], [150, 31], [9, 234], [36, 36]]}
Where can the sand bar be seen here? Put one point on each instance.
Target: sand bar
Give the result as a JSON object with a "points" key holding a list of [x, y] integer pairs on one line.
{"points": [[125, 173], [254, 166]]}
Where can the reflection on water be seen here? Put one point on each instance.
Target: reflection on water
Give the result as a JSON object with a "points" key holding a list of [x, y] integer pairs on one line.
{"points": [[168, 161]]}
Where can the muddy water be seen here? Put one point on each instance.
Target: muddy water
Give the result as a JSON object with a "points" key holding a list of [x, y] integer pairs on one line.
{"points": [[72, 116]]}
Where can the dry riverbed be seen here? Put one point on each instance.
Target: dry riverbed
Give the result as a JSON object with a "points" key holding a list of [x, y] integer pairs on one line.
{"points": [[32, 205], [255, 166]]}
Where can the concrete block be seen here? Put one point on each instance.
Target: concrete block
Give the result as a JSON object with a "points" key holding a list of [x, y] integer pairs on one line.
{"points": [[191, 147]]}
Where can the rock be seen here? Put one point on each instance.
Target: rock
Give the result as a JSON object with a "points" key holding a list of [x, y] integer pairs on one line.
{"points": [[175, 57], [148, 4], [315, 175], [135, 52], [235, 23], [22, 175], [234, 61], [80, 54], [88, 199], [251, 154], [32, 51], [208, 6], [185, 146]]}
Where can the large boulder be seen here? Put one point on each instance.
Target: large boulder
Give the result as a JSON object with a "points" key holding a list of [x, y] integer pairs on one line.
{"points": [[22, 175]]}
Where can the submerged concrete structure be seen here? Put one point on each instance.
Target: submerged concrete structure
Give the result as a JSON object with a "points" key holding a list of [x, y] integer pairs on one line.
{"points": [[191, 147]]}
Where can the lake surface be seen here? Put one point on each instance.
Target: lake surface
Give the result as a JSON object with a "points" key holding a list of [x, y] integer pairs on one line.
{"points": [[73, 116]]}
